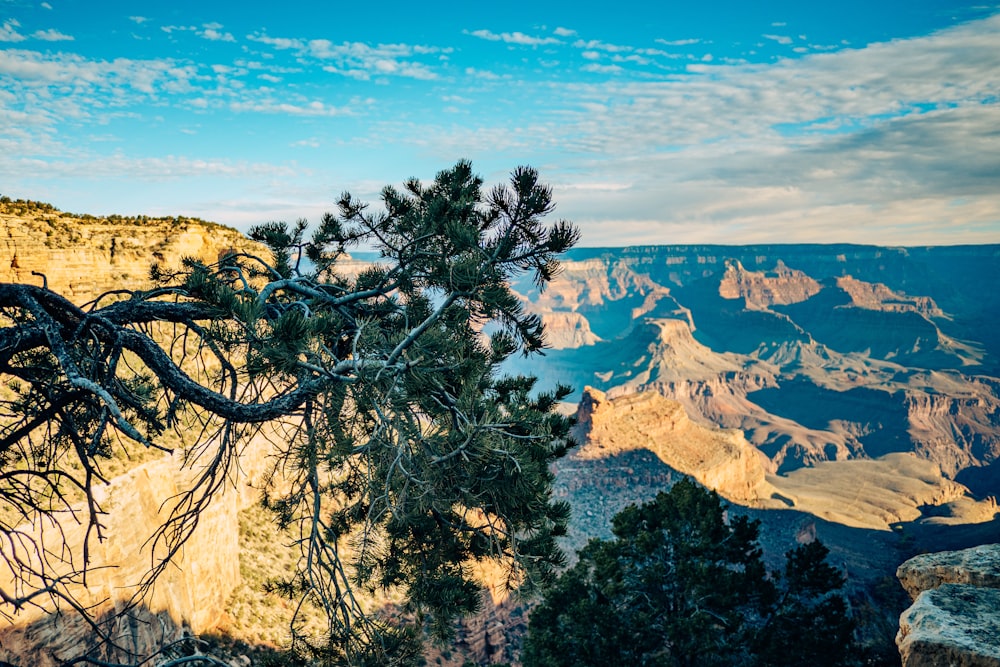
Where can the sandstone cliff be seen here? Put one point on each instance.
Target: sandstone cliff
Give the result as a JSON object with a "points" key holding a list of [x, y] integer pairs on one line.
{"points": [[955, 616], [760, 289], [83, 256], [191, 594]]}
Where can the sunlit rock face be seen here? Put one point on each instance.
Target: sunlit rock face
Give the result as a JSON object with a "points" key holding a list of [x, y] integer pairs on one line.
{"points": [[82, 256], [955, 616], [721, 460]]}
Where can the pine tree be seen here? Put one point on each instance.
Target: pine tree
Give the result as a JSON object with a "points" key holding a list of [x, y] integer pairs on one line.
{"points": [[407, 454], [680, 585]]}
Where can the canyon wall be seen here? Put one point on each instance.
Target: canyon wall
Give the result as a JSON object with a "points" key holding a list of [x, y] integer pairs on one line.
{"points": [[817, 353], [82, 257]]}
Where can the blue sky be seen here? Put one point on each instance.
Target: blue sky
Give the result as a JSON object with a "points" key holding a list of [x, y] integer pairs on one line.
{"points": [[655, 123]]}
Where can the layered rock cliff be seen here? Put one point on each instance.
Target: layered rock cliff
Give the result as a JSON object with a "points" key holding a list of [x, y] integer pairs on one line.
{"points": [[817, 353], [82, 256], [189, 597], [721, 460]]}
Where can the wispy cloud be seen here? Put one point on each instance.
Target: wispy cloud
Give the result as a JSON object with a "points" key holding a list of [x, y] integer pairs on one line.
{"points": [[678, 42], [563, 32], [138, 19], [51, 35], [213, 32], [314, 108], [780, 39], [834, 146], [359, 60], [9, 33], [518, 38], [602, 69]]}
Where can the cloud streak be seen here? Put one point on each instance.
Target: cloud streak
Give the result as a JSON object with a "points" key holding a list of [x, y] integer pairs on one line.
{"points": [[517, 38], [359, 60]]}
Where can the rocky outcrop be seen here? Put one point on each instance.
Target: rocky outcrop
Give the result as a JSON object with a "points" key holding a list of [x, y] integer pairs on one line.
{"points": [[955, 616], [760, 289], [957, 431], [567, 330], [876, 296], [82, 256], [188, 597], [720, 460], [978, 566]]}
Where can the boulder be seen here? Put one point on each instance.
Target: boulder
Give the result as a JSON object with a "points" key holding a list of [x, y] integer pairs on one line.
{"points": [[978, 566], [954, 625], [955, 617]]}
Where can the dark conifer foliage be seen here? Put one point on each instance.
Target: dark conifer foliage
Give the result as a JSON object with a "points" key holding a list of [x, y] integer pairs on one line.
{"points": [[682, 586]]}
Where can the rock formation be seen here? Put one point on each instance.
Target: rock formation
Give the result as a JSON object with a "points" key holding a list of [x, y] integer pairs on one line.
{"points": [[721, 460], [817, 353], [760, 289], [955, 616], [82, 256], [567, 330], [189, 597]]}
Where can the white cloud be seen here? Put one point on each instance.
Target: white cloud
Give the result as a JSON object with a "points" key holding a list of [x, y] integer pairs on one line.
{"points": [[314, 108], [170, 29], [594, 44], [280, 43], [213, 32], [9, 33], [852, 145], [602, 69], [563, 32], [138, 19], [360, 60], [45, 5], [51, 35], [518, 38], [678, 42], [780, 39], [482, 74]]}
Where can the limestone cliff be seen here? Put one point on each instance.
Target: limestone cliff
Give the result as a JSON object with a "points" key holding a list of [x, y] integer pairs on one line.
{"points": [[84, 256], [876, 296], [955, 616], [567, 330]]}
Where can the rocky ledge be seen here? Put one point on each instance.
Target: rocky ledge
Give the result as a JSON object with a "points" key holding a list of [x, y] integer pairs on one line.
{"points": [[955, 617]]}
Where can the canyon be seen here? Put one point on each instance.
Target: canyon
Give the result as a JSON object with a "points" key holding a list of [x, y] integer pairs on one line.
{"points": [[846, 393], [839, 392]]}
